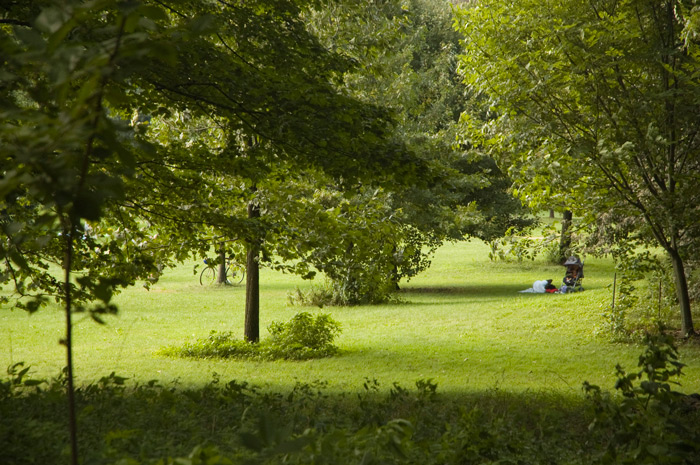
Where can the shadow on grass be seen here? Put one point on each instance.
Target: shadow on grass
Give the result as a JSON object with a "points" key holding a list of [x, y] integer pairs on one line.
{"points": [[125, 423], [501, 290]]}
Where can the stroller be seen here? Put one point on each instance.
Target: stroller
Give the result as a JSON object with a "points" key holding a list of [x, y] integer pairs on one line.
{"points": [[574, 275]]}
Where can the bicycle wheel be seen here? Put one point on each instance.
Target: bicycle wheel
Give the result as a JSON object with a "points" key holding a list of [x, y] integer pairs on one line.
{"points": [[207, 276], [235, 273]]}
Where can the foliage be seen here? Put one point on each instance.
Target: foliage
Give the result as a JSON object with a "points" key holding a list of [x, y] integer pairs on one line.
{"points": [[234, 422], [318, 295], [515, 245], [17, 378], [90, 187], [148, 166], [65, 156], [643, 300], [647, 424], [356, 241], [616, 315], [237, 423], [216, 345], [407, 62], [591, 106], [694, 278], [304, 337]]}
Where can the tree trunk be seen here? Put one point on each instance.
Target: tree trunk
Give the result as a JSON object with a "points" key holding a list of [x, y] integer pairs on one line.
{"points": [[69, 234], [395, 272], [252, 291], [565, 238], [551, 213], [221, 275], [681, 281]]}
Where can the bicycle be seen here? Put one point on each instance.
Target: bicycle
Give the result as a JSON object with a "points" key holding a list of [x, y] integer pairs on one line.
{"points": [[235, 272]]}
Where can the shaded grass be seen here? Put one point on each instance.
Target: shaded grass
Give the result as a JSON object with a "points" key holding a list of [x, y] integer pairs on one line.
{"points": [[462, 324], [148, 422]]}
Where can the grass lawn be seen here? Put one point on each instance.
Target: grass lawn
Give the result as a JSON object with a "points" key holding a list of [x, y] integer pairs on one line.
{"points": [[462, 323]]}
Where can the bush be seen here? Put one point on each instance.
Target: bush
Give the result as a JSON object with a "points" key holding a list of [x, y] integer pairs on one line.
{"points": [[216, 345], [646, 425], [319, 295], [645, 297], [303, 337], [519, 245], [237, 423], [363, 287]]}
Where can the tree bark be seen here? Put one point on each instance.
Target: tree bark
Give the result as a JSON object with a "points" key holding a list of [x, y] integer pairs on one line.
{"points": [[395, 272], [252, 291], [681, 281], [565, 238], [221, 275]]}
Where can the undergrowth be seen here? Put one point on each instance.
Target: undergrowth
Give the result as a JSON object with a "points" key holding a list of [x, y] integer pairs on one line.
{"points": [[333, 294], [304, 337], [238, 423], [650, 424]]}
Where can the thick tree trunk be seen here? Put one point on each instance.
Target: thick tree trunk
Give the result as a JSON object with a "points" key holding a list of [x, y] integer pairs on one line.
{"points": [[681, 281], [565, 238], [221, 275], [252, 291]]}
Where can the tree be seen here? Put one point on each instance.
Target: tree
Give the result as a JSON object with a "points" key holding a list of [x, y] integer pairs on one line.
{"points": [[407, 53], [595, 103], [58, 83], [86, 185], [274, 124], [167, 195]]}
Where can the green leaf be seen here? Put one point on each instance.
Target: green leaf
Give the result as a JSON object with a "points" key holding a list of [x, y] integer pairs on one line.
{"points": [[30, 37], [50, 20]]}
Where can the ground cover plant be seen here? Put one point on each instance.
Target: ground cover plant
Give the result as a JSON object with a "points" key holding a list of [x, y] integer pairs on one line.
{"points": [[462, 368]]}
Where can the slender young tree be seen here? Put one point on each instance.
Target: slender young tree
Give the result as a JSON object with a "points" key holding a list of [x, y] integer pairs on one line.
{"points": [[57, 132]]}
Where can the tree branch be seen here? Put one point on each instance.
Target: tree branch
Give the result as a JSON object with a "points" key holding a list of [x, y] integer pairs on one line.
{"points": [[16, 22]]}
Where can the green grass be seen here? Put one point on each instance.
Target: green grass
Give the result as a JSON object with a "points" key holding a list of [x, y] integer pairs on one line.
{"points": [[462, 324], [508, 369]]}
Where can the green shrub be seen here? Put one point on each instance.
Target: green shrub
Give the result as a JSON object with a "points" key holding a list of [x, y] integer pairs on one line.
{"points": [[303, 337], [644, 298], [615, 317], [361, 287], [236, 423], [216, 345], [646, 425], [319, 295]]}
